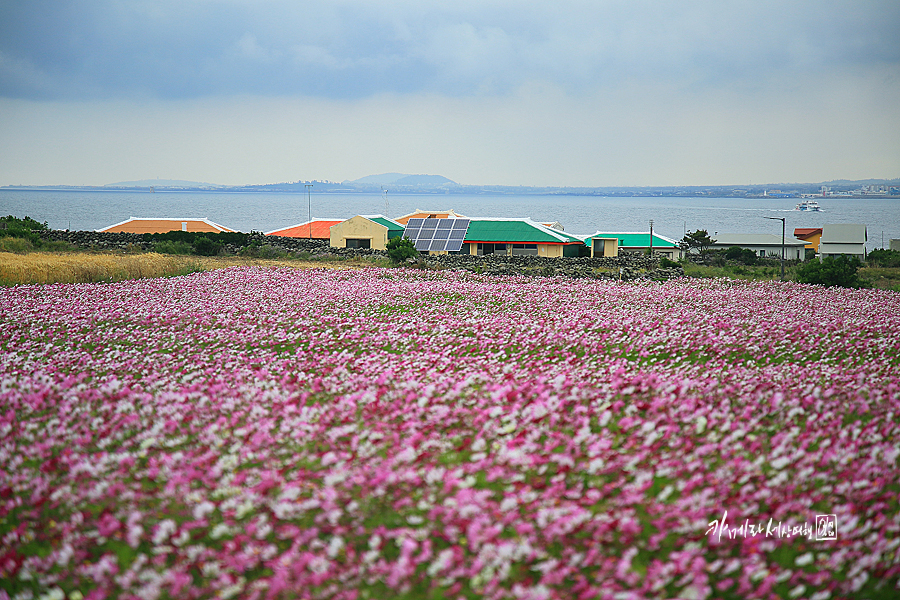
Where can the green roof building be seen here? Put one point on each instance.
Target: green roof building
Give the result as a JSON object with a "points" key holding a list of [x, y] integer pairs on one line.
{"points": [[515, 237], [365, 231], [639, 241]]}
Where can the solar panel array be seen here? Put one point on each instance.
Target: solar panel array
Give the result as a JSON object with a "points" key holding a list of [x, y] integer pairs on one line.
{"points": [[437, 234]]}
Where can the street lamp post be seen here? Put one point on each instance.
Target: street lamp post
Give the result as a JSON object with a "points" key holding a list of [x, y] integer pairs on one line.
{"points": [[309, 209], [651, 238], [782, 219]]}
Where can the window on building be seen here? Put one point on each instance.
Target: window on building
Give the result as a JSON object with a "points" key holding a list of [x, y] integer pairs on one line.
{"points": [[524, 249], [359, 243], [484, 249]]}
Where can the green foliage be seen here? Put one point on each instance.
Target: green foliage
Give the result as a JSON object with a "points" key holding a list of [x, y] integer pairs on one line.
{"points": [[57, 246], [257, 250], [22, 228], [16, 245], [696, 240], [742, 255], [884, 258], [172, 247], [831, 271], [665, 263], [205, 246], [734, 253], [401, 248], [26, 223]]}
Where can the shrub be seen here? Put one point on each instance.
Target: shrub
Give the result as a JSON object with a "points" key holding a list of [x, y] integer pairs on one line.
{"points": [[884, 258], [665, 263], [734, 253], [57, 246], [831, 271], [17, 245], [170, 247], [748, 257], [257, 250], [22, 228], [204, 246], [401, 248], [742, 255]]}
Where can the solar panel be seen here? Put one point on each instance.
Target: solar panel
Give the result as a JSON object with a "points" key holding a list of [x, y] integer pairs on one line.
{"points": [[437, 235]]}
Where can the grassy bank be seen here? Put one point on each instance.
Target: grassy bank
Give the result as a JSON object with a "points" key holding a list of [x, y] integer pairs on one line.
{"points": [[885, 278], [83, 267], [92, 267]]}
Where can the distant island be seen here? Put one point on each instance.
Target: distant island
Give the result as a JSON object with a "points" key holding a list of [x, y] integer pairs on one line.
{"points": [[402, 183]]}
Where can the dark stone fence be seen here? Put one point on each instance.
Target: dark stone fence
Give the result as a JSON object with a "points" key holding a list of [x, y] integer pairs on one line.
{"points": [[625, 267], [94, 239], [104, 240]]}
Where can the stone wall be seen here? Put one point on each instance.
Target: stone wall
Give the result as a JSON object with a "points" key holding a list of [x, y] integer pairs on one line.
{"points": [[94, 239], [119, 241], [625, 267]]}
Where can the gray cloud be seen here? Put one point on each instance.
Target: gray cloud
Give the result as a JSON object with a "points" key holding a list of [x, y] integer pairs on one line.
{"points": [[353, 49]]}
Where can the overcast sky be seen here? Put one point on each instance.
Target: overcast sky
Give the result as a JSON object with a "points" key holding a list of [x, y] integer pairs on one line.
{"points": [[580, 93]]}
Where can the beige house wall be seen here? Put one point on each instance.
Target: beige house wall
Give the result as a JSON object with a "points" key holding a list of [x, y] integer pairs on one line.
{"points": [[359, 228], [550, 250], [605, 247]]}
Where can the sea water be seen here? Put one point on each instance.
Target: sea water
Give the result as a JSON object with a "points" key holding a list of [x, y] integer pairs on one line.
{"points": [[267, 211]]}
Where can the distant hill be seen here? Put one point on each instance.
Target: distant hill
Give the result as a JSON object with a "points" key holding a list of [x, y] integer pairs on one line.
{"points": [[161, 183], [402, 179]]}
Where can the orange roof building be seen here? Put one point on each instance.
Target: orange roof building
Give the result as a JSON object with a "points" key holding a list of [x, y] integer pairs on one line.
{"points": [[429, 214], [810, 235], [163, 225], [317, 229]]}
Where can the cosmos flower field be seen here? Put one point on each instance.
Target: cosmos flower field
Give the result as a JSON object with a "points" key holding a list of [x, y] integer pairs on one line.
{"points": [[277, 433]]}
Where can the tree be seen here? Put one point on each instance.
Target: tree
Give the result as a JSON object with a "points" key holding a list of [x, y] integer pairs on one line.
{"points": [[831, 271], [401, 248], [696, 240]]}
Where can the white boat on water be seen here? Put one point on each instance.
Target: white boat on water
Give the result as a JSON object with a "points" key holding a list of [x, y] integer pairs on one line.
{"points": [[808, 205]]}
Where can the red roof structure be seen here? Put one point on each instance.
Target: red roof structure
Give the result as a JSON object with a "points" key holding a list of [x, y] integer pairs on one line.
{"points": [[804, 232], [317, 229], [164, 225]]}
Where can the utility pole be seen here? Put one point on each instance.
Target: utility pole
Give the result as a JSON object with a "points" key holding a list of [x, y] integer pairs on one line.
{"points": [[782, 219], [309, 208]]}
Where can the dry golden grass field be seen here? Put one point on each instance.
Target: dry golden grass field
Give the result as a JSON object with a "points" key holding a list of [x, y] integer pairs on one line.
{"points": [[87, 267]]}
